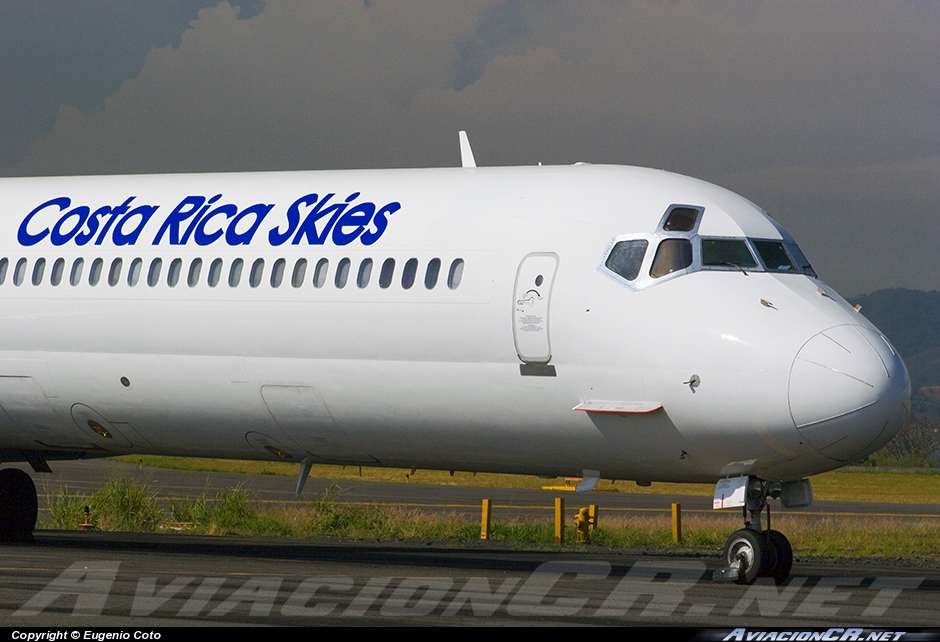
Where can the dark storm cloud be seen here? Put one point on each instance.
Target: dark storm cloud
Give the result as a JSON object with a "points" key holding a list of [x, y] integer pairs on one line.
{"points": [[824, 113], [503, 30], [56, 51]]}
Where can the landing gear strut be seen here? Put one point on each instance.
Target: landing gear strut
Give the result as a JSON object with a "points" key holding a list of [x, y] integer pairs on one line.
{"points": [[19, 506], [753, 552]]}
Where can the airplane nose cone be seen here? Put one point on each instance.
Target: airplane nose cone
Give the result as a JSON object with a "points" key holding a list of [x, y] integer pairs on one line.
{"points": [[849, 392]]}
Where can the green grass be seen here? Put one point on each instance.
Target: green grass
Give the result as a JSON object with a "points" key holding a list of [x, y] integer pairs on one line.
{"points": [[915, 486], [123, 505]]}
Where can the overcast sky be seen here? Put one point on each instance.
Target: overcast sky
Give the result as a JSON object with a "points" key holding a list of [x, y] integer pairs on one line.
{"points": [[827, 114]]}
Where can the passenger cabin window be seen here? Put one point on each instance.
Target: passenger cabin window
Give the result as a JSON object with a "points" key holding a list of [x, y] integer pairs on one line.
{"points": [[58, 269], [365, 273], [626, 258], [387, 273], [732, 253], [133, 274], [300, 270], [38, 268], [433, 271], [114, 274], [257, 271], [235, 273], [319, 274], [215, 272], [195, 268], [75, 276], [94, 274], [277, 273], [342, 273], [153, 274], [455, 274], [671, 255], [409, 274], [19, 273], [4, 265], [173, 274]]}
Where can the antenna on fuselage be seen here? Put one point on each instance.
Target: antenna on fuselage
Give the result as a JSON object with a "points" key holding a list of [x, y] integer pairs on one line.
{"points": [[466, 154]]}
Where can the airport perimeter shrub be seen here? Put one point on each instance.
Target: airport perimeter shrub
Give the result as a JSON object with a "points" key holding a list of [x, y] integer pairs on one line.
{"points": [[126, 505]]}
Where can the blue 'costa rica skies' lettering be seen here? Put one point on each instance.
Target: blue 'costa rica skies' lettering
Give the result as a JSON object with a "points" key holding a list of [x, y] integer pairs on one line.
{"points": [[312, 219]]}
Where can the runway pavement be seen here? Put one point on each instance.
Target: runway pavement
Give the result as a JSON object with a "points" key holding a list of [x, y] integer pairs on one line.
{"points": [[127, 580]]}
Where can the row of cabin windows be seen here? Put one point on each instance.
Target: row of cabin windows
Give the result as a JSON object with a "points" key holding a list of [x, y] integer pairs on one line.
{"points": [[234, 274]]}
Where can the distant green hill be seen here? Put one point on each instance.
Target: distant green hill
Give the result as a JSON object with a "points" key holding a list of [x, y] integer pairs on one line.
{"points": [[911, 320]]}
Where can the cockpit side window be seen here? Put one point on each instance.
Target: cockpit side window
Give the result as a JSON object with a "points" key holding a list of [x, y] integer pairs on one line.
{"points": [[626, 257], [802, 263], [774, 256], [727, 253], [671, 255]]}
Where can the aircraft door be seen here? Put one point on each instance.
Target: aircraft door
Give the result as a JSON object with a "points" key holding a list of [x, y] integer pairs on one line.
{"points": [[531, 303]]}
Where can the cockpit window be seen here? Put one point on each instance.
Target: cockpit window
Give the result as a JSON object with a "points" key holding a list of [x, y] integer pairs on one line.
{"points": [[626, 258], [774, 256], [677, 248], [802, 263], [727, 253], [672, 255], [681, 219]]}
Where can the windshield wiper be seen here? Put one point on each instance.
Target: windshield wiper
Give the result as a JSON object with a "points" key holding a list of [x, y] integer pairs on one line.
{"points": [[735, 265]]}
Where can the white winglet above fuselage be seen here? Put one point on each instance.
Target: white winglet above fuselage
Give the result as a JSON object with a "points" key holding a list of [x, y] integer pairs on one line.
{"points": [[454, 319]]}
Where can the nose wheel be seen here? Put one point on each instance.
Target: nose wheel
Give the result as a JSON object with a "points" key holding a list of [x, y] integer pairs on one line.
{"points": [[745, 555], [750, 553]]}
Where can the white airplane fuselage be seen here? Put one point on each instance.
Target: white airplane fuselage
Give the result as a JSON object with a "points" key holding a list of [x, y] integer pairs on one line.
{"points": [[527, 354]]}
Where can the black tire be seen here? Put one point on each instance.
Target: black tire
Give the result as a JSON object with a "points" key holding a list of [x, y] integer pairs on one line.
{"points": [[745, 551], [784, 554], [768, 562], [19, 506]]}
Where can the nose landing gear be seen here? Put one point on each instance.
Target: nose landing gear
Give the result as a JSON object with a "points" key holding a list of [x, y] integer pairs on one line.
{"points": [[750, 553]]}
